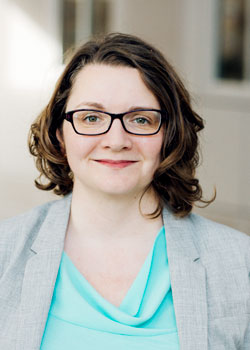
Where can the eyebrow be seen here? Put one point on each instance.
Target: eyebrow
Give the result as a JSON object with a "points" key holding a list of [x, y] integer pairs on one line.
{"points": [[91, 104], [101, 107]]}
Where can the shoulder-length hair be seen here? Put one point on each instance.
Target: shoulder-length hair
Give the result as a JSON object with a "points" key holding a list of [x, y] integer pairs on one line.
{"points": [[174, 180]]}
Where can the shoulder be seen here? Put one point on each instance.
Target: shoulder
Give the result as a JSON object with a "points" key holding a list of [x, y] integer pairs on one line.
{"points": [[196, 236], [217, 240], [33, 216], [214, 231], [13, 227], [21, 231]]}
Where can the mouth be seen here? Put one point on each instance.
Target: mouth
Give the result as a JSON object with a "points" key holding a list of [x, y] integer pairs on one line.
{"points": [[115, 163]]}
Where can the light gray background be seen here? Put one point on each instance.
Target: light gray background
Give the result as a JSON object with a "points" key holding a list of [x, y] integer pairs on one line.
{"points": [[185, 30]]}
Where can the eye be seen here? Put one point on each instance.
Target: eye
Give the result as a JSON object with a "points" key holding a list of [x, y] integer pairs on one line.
{"points": [[141, 120], [91, 118]]}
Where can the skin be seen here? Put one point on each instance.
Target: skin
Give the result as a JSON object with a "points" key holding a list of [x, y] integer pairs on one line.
{"points": [[118, 89], [106, 227], [111, 191]]}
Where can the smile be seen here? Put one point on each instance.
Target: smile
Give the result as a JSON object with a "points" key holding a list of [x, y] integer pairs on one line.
{"points": [[115, 163]]}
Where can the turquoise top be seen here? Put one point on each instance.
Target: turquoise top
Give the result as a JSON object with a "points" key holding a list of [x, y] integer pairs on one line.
{"points": [[80, 317]]}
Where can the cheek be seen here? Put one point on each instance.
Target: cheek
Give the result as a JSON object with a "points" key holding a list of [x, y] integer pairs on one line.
{"points": [[78, 150], [152, 148], [78, 147]]}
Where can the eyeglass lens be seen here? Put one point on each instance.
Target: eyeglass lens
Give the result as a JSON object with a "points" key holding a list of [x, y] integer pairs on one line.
{"points": [[138, 122]]}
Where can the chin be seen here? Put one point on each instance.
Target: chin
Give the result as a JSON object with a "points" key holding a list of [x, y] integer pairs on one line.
{"points": [[121, 189]]}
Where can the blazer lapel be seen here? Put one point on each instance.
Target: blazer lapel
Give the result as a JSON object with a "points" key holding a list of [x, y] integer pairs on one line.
{"points": [[188, 282], [40, 276]]}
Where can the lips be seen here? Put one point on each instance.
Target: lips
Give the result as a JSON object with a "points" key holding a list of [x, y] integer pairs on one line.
{"points": [[115, 163]]}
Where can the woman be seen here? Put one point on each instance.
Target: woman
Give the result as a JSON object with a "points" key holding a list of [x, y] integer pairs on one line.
{"points": [[120, 261]]}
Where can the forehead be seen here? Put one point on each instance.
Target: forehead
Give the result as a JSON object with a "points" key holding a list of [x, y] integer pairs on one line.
{"points": [[114, 87]]}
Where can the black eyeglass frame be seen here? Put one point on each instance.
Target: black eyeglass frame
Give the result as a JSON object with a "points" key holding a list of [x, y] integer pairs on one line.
{"points": [[69, 117]]}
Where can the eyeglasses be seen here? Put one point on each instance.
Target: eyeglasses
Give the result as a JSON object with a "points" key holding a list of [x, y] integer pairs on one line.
{"points": [[95, 122]]}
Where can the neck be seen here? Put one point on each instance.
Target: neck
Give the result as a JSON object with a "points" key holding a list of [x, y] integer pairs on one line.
{"points": [[113, 217]]}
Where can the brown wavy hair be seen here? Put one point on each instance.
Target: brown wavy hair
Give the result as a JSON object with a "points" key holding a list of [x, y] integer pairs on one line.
{"points": [[174, 181]]}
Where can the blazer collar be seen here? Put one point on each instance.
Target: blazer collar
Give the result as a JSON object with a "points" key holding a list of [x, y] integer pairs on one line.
{"points": [[40, 275], [188, 281]]}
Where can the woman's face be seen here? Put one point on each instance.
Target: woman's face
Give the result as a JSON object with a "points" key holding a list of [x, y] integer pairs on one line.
{"points": [[113, 89]]}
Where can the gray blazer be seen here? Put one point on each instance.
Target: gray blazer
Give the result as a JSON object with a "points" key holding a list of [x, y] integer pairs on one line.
{"points": [[209, 269]]}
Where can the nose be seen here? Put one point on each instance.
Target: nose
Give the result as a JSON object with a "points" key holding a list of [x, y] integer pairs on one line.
{"points": [[116, 138]]}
